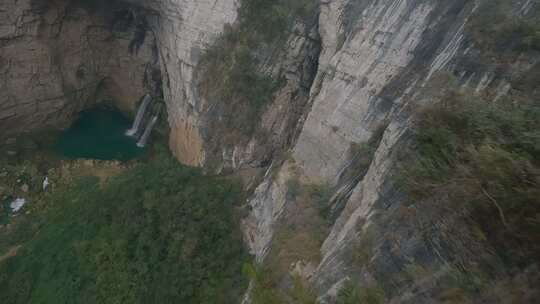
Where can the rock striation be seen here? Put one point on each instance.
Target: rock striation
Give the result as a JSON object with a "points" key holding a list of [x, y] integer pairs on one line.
{"points": [[377, 61]]}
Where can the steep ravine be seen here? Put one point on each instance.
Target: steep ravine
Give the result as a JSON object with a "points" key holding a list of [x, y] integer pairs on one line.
{"points": [[352, 76]]}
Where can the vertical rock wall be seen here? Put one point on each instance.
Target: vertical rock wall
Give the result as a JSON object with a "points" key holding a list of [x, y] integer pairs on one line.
{"points": [[58, 57], [184, 29], [358, 72], [378, 58]]}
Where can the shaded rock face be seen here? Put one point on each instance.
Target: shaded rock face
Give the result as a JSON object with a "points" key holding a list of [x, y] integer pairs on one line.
{"points": [[59, 57]]}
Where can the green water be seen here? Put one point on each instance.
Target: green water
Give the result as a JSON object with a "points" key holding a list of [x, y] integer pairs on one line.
{"points": [[99, 134]]}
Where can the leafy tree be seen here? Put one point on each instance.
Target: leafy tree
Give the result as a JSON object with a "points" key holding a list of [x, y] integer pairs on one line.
{"points": [[159, 233]]}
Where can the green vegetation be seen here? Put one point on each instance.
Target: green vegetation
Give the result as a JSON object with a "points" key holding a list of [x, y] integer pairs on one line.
{"points": [[158, 233], [22, 170], [361, 154], [293, 188], [414, 272], [229, 71], [496, 29], [352, 293], [264, 289], [481, 160], [300, 294], [364, 246], [322, 198], [297, 240]]}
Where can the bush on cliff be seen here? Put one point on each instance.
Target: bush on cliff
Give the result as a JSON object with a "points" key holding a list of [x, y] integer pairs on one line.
{"points": [[483, 159], [496, 27]]}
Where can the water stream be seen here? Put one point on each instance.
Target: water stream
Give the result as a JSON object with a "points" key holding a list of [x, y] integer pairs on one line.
{"points": [[140, 116], [144, 138]]}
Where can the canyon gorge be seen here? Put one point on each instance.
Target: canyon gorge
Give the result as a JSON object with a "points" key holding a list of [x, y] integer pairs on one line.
{"points": [[315, 105]]}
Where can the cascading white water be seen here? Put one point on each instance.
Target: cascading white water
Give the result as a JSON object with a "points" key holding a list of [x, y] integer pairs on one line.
{"points": [[140, 115], [144, 138]]}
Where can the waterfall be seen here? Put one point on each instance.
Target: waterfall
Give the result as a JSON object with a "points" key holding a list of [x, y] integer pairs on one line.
{"points": [[144, 138], [140, 115]]}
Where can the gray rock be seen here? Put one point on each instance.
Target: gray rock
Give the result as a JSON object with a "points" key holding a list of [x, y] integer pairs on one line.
{"points": [[78, 60]]}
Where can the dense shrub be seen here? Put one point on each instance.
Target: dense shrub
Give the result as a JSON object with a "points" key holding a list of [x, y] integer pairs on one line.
{"points": [[264, 290], [483, 158], [159, 233], [352, 293], [265, 287], [322, 197], [364, 246], [495, 28], [293, 188]]}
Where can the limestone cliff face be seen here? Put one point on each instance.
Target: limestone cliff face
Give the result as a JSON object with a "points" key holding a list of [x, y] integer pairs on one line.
{"points": [[183, 30], [377, 60], [356, 73], [58, 57]]}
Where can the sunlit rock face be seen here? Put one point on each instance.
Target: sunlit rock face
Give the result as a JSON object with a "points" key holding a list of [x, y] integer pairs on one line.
{"points": [[59, 57]]}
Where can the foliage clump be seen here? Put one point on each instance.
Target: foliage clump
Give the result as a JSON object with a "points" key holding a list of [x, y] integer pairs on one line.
{"points": [[364, 247], [321, 195], [353, 293], [264, 289], [229, 71], [496, 28], [482, 159], [159, 233]]}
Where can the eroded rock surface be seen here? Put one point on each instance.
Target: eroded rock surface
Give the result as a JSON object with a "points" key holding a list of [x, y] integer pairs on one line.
{"points": [[377, 61], [58, 57]]}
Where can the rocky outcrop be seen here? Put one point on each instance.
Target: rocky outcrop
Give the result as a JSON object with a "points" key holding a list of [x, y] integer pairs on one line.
{"points": [[58, 57], [377, 62], [183, 30]]}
